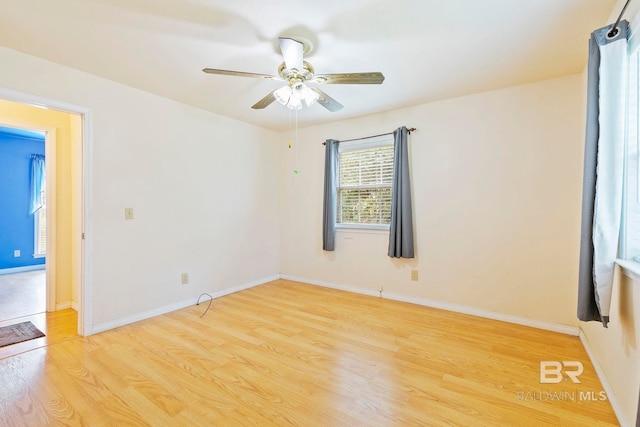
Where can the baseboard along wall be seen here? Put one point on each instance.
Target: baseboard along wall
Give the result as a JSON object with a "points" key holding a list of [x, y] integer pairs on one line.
{"points": [[22, 269]]}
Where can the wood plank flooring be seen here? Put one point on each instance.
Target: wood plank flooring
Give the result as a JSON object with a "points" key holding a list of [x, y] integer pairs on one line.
{"points": [[57, 325], [287, 353]]}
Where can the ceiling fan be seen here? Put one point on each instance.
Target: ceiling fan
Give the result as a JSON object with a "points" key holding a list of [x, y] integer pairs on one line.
{"points": [[296, 73]]}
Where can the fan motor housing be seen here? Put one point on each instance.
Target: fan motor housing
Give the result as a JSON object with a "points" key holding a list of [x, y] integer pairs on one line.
{"points": [[289, 74]]}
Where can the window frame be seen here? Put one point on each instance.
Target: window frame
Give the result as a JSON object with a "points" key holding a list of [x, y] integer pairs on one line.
{"points": [[628, 262], [357, 145]]}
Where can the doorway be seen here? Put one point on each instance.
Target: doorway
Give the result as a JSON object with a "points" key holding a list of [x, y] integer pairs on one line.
{"points": [[65, 142], [22, 223]]}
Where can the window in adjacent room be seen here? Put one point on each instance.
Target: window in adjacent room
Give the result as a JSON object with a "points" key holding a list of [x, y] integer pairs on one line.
{"points": [[630, 234], [40, 230], [365, 172]]}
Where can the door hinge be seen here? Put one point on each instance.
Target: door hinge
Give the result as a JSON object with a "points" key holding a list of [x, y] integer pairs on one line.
{"points": [[82, 236]]}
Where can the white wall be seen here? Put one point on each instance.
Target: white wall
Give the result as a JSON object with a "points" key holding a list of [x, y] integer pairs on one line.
{"points": [[497, 185], [204, 190], [615, 349]]}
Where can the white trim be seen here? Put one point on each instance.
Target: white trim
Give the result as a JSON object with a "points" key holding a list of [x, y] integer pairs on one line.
{"points": [[63, 305], [68, 304], [50, 150], [85, 287], [363, 228], [101, 327], [364, 143], [22, 269], [630, 268], [606, 385], [457, 308]]}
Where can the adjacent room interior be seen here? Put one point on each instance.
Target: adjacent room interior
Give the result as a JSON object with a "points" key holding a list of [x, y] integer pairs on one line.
{"points": [[196, 271]]}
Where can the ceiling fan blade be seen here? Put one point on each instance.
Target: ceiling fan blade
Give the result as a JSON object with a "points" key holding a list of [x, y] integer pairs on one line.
{"points": [[264, 102], [240, 74], [292, 52], [326, 101], [374, 78]]}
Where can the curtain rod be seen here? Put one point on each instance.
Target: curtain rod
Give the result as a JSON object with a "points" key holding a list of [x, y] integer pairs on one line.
{"points": [[372, 136], [614, 30]]}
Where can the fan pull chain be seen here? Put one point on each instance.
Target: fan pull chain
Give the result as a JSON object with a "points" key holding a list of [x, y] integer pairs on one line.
{"points": [[295, 148]]}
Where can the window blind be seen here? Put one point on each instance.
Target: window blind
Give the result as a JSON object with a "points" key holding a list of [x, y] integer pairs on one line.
{"points": [[364, 184], [630, 236]]}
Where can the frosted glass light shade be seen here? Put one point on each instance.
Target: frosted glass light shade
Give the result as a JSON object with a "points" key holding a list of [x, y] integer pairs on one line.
{"points": [[283, 94], [311, 96], [292, 97], [294, 103]]}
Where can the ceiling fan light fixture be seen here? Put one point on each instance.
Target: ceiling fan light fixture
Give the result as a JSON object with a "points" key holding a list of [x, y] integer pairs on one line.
{"points": [[296, 71], [292, 96], [283, 95], [294, 103], [302, 92], [311, 97]]}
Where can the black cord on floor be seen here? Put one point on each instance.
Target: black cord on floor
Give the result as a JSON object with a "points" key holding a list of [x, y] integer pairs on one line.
{"points": [[209, 306]]}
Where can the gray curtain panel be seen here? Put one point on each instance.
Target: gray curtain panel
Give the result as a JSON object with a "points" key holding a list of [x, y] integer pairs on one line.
{"points": [[401, 227], [638, 414], [329, 200], [587, 307], [587, 298]]}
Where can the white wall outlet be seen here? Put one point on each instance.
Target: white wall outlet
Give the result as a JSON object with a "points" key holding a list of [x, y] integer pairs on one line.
{"points": [[128, 213], [414, 275], [185, 278], [16, 253]]}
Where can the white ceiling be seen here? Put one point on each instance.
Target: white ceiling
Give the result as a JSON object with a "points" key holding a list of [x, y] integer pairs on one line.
{"points": [[427, 49]]}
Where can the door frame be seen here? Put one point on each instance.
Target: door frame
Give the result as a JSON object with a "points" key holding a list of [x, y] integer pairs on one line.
{"points": [[50, 155], [85, 263]]}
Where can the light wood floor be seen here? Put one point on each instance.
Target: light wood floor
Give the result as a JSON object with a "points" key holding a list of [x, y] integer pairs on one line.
{"points": [[57, 326], [285, 353], [23, 298]]}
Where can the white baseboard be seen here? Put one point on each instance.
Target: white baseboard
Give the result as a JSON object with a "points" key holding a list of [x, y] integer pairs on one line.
{"points": [[457, 308], [606, 385], [23, 269], [64, 305], [67, 304], [105, 326]]}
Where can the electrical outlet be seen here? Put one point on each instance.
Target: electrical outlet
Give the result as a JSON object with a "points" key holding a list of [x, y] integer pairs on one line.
{"points": [[128, 213], [414, 275], [185, 278], [16, 253]]}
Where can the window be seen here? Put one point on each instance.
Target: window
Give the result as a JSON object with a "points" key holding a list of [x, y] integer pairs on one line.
{"points": [[40, 230], [630, 232], [364, 177]]}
